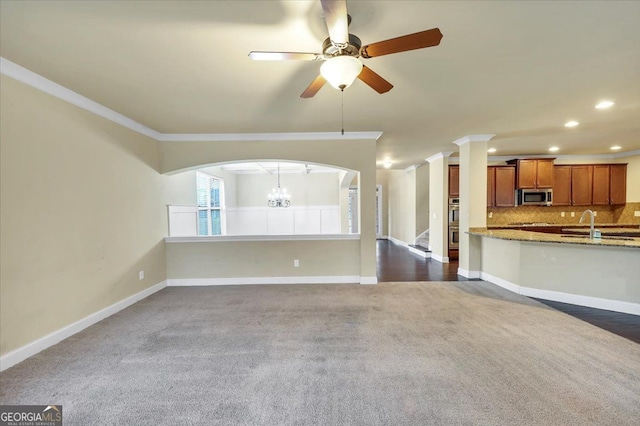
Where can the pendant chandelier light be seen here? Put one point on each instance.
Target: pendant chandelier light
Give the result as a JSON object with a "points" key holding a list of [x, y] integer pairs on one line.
{"points": [[279, 197]]}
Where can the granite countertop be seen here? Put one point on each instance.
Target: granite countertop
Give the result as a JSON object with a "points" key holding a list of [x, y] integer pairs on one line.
{"points": [[564, 225], [518, 235], [604, 231]]}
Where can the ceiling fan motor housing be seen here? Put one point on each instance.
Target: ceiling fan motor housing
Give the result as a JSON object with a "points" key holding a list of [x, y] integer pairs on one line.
{"points": [[352, 48]]}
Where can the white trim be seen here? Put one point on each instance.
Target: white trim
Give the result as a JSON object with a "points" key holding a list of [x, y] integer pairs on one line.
{"points": [[18, 355], [419, 252], [241, 238], [397, 241], [368, 280], [568, 157], [441, 259], [262, 137], [573, 299], [514, 288], [36, 81], [345, 279], [473, 138], [438, 156], [469, 274]]}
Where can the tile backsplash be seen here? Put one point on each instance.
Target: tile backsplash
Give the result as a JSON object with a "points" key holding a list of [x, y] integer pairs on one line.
{"points": [[539, 214]]}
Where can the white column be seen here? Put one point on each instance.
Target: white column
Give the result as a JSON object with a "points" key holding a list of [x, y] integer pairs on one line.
{"points": [[438, 206], [473, 201]]}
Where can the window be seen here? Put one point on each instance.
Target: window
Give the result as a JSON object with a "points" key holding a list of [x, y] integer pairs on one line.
{"points": [[210, 200]]}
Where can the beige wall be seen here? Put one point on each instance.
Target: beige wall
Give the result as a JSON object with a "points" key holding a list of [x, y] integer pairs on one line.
{"points": [[438, 207], [402, 204], [262, 259], [422, 198], [382, 178], [358, 155], [81, 213], [314, 189]]}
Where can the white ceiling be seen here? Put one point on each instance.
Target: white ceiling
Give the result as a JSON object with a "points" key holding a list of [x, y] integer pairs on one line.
{"points": [[517, 69]]}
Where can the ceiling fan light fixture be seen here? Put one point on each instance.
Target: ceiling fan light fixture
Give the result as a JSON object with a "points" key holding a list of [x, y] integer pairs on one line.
{"points": [[341, 71]]}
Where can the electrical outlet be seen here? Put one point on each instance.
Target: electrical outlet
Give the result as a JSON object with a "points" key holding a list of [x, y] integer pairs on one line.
{"points": [[141, 275], [296, 262], [435, 216], [573, 214], [562, 214], [636, 213], [490, 215], [595, 213]]}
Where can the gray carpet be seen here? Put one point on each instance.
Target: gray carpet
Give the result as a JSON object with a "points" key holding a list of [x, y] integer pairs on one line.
{"points": [[465, 353]]}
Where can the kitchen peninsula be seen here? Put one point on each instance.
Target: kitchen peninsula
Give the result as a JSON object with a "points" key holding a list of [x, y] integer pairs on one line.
{"points": [[567, 268]]}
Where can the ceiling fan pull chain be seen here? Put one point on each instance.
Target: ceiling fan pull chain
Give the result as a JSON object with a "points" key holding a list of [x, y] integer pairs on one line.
{"points": [[342, 99]]}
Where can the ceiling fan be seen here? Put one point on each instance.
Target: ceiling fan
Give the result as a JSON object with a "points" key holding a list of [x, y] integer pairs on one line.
{"points": [[341, 52]]}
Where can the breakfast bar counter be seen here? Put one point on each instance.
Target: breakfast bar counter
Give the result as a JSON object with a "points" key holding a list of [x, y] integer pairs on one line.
{"points": [[603, 274]]}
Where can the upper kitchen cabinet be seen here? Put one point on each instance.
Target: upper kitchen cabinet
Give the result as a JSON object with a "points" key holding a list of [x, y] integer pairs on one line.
{"points": [[534, 173], [609, 184], [590, 185], [562, 185], [454, 181], [581, 185], [618, 184], [501, 185]]}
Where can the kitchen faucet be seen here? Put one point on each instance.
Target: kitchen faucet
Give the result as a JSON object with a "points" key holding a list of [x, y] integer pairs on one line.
{"points": [[591, 230]]}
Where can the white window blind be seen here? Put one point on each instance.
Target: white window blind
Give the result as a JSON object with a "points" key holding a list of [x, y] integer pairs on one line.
{"points": [[209, 197]]}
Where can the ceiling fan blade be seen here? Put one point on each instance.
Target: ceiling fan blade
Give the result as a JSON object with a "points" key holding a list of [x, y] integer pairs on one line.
{"points": [[376, 82], [419, 40], [313, 87], [335, 15], [284, 56]]}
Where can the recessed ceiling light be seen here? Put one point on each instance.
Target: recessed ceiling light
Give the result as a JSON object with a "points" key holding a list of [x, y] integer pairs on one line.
{"points": [[491, 150], [604, 105], [571, 123], [554, 149], [615, 147], [387, 164]]}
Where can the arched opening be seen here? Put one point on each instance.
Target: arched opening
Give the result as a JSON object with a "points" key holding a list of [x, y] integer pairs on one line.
{"points": [[231, 198]]}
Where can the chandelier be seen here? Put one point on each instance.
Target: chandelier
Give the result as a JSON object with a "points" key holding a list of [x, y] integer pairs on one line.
{"points": [[279, 197]]}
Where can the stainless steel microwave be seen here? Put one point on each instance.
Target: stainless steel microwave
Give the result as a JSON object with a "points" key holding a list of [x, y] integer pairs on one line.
{"points": [[535, 197]]}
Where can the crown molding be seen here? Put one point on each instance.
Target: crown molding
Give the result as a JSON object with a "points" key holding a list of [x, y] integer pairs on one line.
{"points": [[473, 138], [439, 156], [568, 157], [30, 78], [36, 81], [261, 137]]}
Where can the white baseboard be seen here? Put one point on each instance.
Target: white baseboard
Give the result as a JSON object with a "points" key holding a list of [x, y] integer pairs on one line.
{"points": [[397, 241], [441, 259], [346, 279], [18, 355], [368, 280], [419, 252], [468, 274], [573, 299]]}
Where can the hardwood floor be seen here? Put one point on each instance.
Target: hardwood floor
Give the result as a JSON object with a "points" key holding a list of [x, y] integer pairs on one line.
{"points": [[396, 263]]}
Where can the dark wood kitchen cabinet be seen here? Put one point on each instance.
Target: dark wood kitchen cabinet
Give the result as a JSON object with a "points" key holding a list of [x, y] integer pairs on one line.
{"points": [[601, 184], [454, 181], [609, 184], [581, 185], [534, 173], [491, 186], [562, 185], [618, 184], [501, 186]]}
